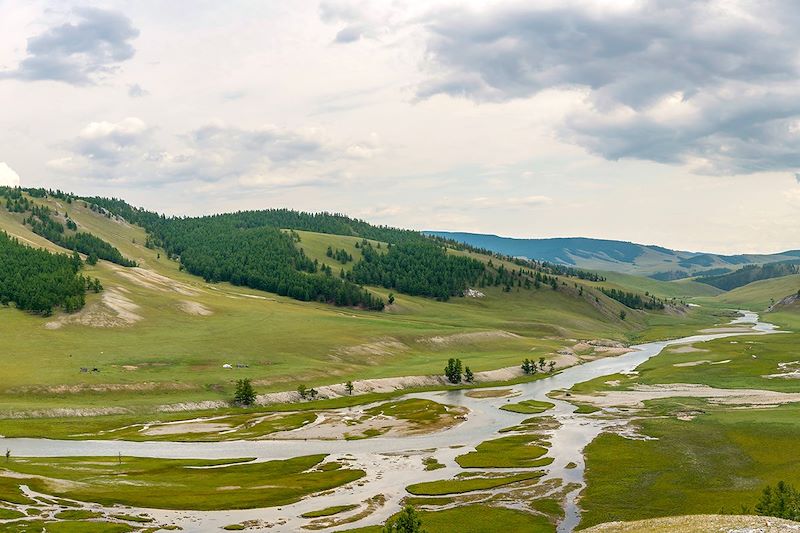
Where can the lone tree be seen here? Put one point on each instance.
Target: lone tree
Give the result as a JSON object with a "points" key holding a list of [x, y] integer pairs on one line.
{"points": [[313, 393], [469, 377], [407, 522], [349, 387], [453, 370], [542, 362], [302, 391], [244, 395], [552, 366], [391, 298]]}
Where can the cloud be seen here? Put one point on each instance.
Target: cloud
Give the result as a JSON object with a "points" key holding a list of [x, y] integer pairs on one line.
{"points": [[361, 18], [269, 156], [8, 178], [78, 53], [713, 84], [136, 91]]}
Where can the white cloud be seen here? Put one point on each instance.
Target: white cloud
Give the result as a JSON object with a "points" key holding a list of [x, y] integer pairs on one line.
{"points": [[8, 177]]}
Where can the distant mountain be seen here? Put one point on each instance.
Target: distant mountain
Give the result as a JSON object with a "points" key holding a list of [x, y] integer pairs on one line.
{"points": [[617, 256]]}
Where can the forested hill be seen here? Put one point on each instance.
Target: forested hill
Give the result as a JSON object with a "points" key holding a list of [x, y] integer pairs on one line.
{"points": [[250, 248], [253, 248], [38, 281]]}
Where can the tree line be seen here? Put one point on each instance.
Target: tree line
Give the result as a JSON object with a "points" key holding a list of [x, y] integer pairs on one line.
{"points": [[633, 300], [38, 281], [42, 222]]}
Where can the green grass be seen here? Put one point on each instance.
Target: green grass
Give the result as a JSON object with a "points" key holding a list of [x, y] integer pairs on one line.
{"points": [[681, 289], [484, 519], [10, 514], [329, 511], [476, 519], [77, 514], [171, 356], [749, 360], [67, 526], [181, 484], [431, 463], [717, 462], [759, 295], [507, 452], [460, 485], [528, 407], [421, 413], [315, 246]]}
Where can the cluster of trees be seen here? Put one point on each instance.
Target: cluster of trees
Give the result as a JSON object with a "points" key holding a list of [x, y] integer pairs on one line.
{"points": [[418, 268], [340, 255], [633, 300], [38, 281], [455, 372], [522, 277], [15, 201], [531, 367], [312, 393], [781, 501]]}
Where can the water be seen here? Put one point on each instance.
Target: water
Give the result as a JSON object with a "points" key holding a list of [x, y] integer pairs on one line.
{"points": [[392, 463]]}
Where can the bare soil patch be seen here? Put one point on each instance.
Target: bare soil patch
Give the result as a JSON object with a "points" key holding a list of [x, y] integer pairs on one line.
{"points": [[194, 308], [467, 338], [112, 311]]}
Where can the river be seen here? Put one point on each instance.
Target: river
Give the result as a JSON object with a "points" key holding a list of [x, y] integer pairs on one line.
{"points": [[392, 463]]}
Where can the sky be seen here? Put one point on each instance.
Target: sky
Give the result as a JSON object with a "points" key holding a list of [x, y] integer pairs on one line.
{"points": [[670, 122]]}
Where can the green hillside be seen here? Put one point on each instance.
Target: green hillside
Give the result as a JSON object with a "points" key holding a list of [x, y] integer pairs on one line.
{"points": [[158, 334], [759, 295]]}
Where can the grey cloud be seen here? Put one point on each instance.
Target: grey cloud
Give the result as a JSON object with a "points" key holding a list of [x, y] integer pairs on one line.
{"points": [[361, 18], [78, 53], [675, 81], [271, 157]]}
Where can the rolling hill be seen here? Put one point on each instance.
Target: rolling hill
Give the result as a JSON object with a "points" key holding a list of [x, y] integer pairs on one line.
{"points": [[617, 256]]}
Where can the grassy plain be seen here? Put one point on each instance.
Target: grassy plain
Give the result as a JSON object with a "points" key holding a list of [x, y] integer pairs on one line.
{"points": [[464, 484], [177, 484], [717, 462], [514, 451], [528, 407]]}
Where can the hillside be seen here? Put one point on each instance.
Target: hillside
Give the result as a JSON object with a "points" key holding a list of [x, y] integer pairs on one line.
{"points": [[617, 256], [160, 329]]}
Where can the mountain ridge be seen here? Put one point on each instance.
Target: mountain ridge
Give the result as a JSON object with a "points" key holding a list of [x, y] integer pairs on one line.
{"points": [[628, 257]]}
